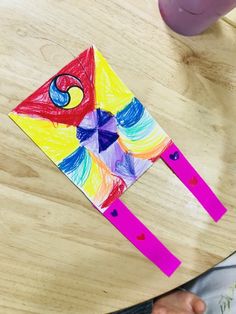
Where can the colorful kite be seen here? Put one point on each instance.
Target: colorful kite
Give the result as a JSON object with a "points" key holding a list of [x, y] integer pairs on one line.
{"points": [[94, 129]]}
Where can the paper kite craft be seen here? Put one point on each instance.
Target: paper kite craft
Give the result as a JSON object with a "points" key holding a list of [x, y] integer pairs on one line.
{"points": [[100, 135]]}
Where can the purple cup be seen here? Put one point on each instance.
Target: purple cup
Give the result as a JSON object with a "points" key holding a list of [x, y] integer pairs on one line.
{"points": [[192, 17]]}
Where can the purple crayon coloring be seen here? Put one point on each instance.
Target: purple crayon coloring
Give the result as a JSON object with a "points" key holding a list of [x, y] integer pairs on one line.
{"points": [[103, 139], [192, 17]]}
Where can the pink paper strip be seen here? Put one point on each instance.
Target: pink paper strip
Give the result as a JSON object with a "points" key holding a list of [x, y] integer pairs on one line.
{"points": [[145, 241], [173, 157]]}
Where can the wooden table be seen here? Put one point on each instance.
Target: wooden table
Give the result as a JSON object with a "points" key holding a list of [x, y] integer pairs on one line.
{"points": [[58, 254]]}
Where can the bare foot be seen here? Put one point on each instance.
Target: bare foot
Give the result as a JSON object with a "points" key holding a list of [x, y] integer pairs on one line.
{"points": [[179, 302]]}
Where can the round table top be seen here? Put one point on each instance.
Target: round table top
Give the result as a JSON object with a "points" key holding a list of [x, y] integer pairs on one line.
{"points": [[58, 254]]}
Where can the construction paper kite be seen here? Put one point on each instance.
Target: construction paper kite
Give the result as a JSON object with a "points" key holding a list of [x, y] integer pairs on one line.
{"points": [[100, 135]]}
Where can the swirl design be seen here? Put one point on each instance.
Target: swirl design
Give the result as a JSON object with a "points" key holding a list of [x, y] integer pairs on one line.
{"points": [[66, 91], [92, 126]]}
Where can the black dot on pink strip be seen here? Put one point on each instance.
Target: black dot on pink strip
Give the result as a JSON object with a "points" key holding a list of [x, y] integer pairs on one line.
{"points": [[114, 213], [174, 156]]}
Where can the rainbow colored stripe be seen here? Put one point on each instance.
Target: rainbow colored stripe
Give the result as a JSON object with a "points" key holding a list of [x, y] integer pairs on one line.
{"points": [[93, 128]]}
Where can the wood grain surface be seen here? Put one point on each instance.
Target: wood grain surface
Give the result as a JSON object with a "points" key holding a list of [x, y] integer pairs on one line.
{"points": [[57, 253]]}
